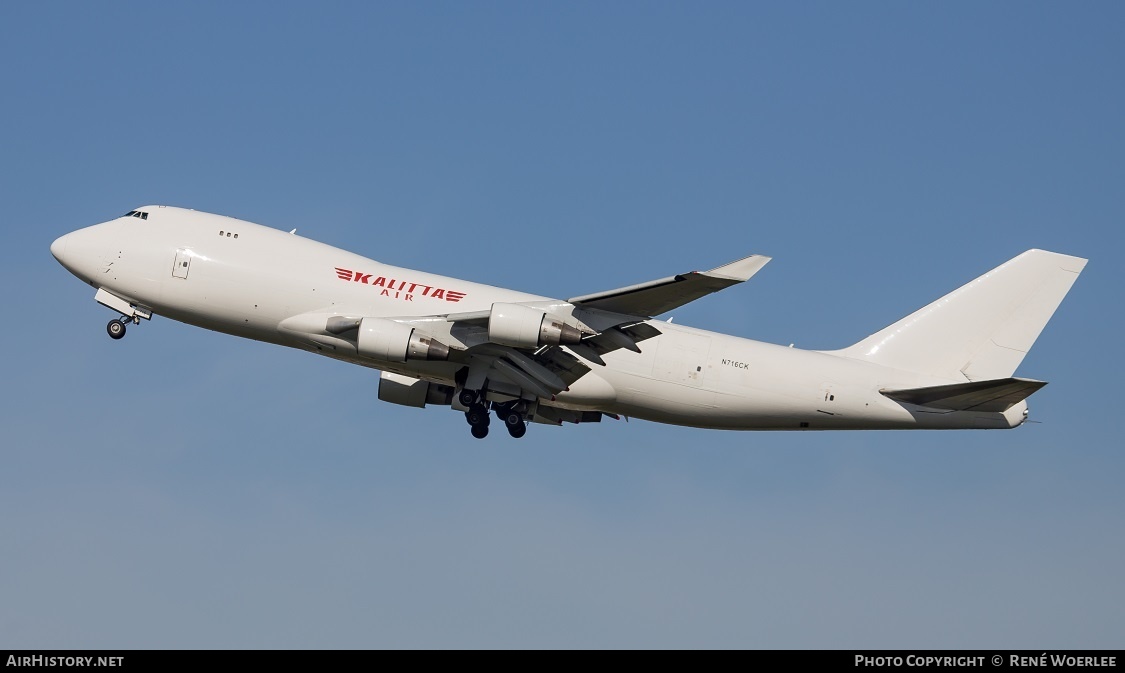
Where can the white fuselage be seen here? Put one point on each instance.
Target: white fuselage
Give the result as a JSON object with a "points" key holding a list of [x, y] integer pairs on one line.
{"points": [[245, 279]]}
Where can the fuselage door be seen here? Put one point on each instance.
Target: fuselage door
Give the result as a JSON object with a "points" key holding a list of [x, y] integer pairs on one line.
{"points": [[826, 400], [183, 263]]}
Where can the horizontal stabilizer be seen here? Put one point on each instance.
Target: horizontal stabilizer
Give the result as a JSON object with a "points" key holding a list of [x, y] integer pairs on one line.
{"points": [[660, 296], [997, 395]]}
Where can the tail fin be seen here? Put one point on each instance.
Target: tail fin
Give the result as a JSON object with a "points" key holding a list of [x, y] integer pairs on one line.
{"points": [[983, 329]]}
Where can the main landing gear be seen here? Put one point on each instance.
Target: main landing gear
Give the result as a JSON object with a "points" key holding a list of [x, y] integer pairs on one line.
{"points": [[479, 418], [477, 415], [513, 420], [466, 397]]}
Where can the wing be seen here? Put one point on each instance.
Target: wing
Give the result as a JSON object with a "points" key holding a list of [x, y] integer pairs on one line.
{"points": [[659, 296], [617, 319], [527, 351]]}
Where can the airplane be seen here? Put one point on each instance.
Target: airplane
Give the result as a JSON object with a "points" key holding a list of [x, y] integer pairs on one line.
{"points": [[526, 358]]}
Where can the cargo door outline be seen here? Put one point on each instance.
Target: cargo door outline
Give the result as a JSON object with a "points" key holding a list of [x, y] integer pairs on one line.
{"points": [[183, 263]]}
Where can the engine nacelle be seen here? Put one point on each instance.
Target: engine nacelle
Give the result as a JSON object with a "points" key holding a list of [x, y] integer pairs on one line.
{"points": [[412, 392], [525, 327], [397, 342]]}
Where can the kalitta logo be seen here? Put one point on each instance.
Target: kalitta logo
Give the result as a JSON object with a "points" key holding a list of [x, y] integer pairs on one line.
{"points": [[399, 289]]}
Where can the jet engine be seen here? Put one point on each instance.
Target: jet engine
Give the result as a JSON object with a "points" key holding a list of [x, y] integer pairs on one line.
{"points": [[397, 342], [525, 327]]}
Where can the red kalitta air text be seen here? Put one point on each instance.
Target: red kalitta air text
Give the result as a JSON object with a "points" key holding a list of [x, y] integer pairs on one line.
{"points": [[399, 289]]}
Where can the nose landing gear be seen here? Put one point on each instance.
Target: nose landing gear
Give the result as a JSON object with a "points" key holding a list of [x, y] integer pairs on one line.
{"points": [[130, 313], [116, 329]]}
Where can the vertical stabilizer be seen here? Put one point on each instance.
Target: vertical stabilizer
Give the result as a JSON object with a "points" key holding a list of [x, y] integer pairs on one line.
{"points": [[981, 330]]}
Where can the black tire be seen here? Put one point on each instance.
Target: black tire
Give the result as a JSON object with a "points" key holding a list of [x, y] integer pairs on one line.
{"points": [[517, 431], [466, 397], [512, 419], [116, 329], [479, 431], [477, 415]]}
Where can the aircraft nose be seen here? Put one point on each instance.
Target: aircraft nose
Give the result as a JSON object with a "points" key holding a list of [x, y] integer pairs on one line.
{"points": [[58, 248], [70, 251], [81, 251]]}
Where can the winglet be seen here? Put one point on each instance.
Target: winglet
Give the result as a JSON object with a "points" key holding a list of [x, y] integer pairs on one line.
{"points": [[741, 270]]}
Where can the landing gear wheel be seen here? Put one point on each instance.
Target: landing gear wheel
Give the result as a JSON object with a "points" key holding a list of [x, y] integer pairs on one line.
{"points": [[466, 397], [512, 419], [479, 431], [517, 431], [116, 329], [477, 415]]}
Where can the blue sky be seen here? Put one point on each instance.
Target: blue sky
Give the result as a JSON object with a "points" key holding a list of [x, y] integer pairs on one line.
{"points": [[188, 489]]}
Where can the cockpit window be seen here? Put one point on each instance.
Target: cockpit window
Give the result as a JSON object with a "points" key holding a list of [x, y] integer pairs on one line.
{"points": [[136, 213], [129, 214]]}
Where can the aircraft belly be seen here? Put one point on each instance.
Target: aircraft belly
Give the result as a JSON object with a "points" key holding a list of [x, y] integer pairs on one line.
{"points": [[754, 386], [590, 391]]}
